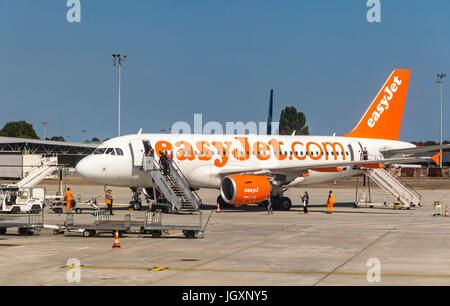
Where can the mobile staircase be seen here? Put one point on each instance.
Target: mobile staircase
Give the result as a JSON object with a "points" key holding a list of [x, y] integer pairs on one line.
{"points": [[407, 196], [37, 174], [174, 186]]}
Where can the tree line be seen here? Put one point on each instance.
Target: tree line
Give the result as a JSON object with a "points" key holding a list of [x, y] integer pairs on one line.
{"points": [[23, 129]]}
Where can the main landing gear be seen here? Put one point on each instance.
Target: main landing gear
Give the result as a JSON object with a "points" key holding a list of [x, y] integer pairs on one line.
{"points": [[281, 203]]}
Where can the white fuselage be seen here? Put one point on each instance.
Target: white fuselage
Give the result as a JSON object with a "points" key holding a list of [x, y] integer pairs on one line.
{"points": [[204, 158]]}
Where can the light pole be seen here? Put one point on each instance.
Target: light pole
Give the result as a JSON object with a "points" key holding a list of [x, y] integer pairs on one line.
{"points": [[84, 133], [440, 80], [45, 124], [117, 62]]}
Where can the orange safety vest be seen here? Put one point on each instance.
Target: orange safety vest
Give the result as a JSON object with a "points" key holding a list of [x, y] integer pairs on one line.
{"points": [[108, 199], [68, 195], [331, 199]]}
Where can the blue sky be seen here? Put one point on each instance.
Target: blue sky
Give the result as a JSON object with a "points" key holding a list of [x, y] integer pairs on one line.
{"points": [[219, 58]]}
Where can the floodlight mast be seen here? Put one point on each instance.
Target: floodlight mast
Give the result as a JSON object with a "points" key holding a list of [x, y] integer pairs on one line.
{"points": [[440, 80], [117, 62]]}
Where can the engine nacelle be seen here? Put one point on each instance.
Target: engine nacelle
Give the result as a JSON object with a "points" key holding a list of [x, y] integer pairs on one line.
{"points": [[245, 189]]}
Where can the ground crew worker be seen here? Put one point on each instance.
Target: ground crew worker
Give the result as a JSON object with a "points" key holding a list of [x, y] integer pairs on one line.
{"points": [[305, 200], [270, 206], [397, 203], [68, 196], [330, 202], [109, 201]]}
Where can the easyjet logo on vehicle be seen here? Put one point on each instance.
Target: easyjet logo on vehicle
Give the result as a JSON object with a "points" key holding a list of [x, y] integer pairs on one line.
{"points": [[241, 150], [384, 103]]}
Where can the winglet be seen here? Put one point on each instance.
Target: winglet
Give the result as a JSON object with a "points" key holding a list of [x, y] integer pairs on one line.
{"points": [[435, 158]]}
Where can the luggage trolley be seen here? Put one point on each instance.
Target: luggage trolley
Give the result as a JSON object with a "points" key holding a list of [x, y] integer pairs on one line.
{"points": [[101, 224], [59, 207], [153, 224], [35, 223]]}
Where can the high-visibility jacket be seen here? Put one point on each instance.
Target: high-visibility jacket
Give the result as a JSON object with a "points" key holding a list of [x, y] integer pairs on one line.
{"points": [[108, 198], [331, 199], [68, 195]]}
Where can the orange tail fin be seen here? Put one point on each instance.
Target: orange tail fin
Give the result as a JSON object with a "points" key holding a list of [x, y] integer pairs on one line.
{"points": [[383, 118]]}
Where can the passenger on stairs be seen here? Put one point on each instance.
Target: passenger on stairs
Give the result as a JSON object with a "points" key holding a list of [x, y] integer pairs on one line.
{"points": [[151, 152], [365, 154], [164, 163]]}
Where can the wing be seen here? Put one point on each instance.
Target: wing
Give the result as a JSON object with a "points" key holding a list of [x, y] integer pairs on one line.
{"points": [[408, 151], [328, 166]]}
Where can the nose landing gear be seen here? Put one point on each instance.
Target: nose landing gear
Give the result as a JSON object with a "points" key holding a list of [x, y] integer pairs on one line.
{"points": [[136, 202]]}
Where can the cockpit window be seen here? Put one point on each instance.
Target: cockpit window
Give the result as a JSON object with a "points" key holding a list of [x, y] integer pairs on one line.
{"points": [[99, 151], [110, 151]]}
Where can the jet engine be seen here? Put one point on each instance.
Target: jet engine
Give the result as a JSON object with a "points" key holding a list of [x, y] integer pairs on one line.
{"points": [[245, 189]]}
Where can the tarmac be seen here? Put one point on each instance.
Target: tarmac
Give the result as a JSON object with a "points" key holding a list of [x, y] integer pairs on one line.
{"points": [[245, 246]]}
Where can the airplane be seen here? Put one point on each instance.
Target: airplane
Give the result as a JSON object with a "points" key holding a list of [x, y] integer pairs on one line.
{"points": [[248, 169]]}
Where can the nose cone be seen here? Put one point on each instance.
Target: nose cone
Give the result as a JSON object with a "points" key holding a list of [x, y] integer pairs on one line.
{"points": [[84, 168]]}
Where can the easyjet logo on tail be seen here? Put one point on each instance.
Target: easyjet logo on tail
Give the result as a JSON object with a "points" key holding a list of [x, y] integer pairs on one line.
{"points": [[383, 118], [384, 103]]}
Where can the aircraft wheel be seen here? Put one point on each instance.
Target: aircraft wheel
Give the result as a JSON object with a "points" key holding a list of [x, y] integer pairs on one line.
{"points": [[137, 206], [2, 231], [284, 203], [78, 210]]}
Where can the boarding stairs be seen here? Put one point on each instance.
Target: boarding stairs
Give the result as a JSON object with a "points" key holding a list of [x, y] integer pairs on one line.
{"points": [[407, 195], [37, 174], [173, 186]]}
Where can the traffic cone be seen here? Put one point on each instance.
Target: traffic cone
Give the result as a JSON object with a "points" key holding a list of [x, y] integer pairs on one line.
{"points": [[218, 208], [446, 211], [116, 244]]}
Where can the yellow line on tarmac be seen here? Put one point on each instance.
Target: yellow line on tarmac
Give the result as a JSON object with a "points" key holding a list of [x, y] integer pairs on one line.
{"points": [[255, 271]]}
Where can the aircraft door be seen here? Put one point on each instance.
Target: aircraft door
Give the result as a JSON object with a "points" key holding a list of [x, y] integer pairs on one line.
{"points": [[137, 151], [147, 146], [355, 151]]}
